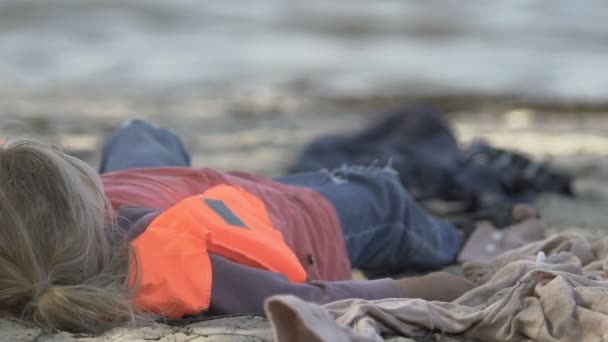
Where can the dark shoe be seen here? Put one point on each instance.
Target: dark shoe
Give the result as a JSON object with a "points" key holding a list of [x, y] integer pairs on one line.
{"points": [[517, 173]]}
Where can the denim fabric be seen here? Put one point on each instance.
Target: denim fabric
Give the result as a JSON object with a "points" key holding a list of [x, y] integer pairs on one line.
{"points": [[419, 145], [384, 229], [432, 165], [140, 144]]}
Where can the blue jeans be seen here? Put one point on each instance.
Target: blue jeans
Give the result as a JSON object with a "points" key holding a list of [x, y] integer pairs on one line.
{"points": [[383, 227], [140, 144]]}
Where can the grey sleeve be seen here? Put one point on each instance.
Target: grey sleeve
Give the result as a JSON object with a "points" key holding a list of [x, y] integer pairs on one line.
{"points": [[239, 289]]}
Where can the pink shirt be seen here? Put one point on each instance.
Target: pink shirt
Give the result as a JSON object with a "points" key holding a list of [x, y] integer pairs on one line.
{"points": [[307, 220]]}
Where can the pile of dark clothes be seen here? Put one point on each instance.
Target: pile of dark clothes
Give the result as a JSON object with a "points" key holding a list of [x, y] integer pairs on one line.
{"points": [[418, 143]]}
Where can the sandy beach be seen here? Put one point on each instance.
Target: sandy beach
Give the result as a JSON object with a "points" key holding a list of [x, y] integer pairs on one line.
{"points": [[246, 86], [262, 135]]}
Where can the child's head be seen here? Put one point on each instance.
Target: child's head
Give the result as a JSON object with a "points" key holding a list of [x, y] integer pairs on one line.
{"points": [[58, 265]]}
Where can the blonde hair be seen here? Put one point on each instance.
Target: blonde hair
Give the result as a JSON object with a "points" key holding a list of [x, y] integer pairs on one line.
{"points": [[63, 264]]}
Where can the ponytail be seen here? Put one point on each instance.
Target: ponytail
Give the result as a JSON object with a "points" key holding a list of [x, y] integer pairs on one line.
{"points": [[61, 263], [80, 308]]}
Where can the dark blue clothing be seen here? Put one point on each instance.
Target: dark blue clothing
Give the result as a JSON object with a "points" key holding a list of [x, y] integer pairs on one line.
{"points": [[431, 165], [384, 229]]}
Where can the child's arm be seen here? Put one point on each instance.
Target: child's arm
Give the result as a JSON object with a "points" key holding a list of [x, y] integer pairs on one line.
{"points": [[239, 289]]}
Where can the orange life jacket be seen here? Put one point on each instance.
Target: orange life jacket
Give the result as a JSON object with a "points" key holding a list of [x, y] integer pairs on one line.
{"points": [[172, 270]]}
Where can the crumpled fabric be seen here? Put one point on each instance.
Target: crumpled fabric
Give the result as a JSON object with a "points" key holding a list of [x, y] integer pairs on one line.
{"points": [[552, 290]]}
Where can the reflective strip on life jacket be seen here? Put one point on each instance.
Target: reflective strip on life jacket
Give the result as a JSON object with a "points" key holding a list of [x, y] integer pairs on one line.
{"points": [[173, 268]]}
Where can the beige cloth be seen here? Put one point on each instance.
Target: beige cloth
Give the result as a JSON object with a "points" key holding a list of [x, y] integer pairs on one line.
{"points": [[487, 242], [521, 297]]}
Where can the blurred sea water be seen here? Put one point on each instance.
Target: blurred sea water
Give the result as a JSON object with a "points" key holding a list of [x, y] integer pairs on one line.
{"points": [[541, 48]]}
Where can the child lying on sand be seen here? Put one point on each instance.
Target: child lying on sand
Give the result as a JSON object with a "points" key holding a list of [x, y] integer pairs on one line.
{"points": [[83, 252]]}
